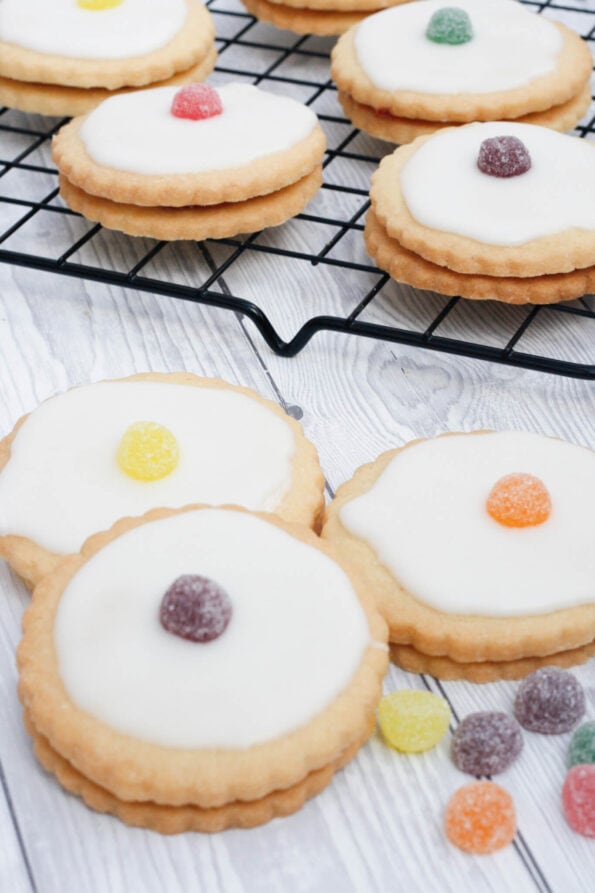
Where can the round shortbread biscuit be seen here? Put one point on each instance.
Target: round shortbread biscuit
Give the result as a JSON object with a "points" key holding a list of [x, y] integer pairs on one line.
{"points": [[408, 658], [132, 149], [81, 430], [267, 710], [404, 130], [210, 222], [408, 267], [434, 200], [480, 591], [190, 46], [53, 99], [302, 20], [179, 819], [555, 82]]}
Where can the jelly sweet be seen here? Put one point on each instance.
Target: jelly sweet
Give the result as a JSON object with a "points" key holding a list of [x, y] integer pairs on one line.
{"points": [[503, 156], [413, 721], [196, 102], [486, 743], [480, 818], [519, 500], [148, 451], [549, 701], [450, 25], [578, 799], [582, 745], [195, 608], [99, 4]]}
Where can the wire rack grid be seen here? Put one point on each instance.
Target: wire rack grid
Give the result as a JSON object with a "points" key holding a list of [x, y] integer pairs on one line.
{"points": [[315, 266]]}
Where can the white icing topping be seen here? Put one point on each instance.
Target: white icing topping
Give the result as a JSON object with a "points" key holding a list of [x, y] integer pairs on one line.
{"points": [[136, 131], [510, 47], [444, 189], [62, 482], [426, 519], [296, 636], [63, 28]]}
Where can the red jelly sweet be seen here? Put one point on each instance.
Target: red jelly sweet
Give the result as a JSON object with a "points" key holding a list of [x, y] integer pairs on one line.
{"points": [[578, 799], [196, 102], [503, 156], [195, 608]]}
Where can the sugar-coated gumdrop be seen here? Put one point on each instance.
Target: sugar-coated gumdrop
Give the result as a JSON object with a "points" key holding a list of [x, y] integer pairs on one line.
{"points": [[412, 721], [450, 25], [519, 500], [480, 817], [549, 701], [148, 451], [196, 102], [99, 4], [582, 745], [486, 743], [195, 608], [578, 799], [503, 156]]}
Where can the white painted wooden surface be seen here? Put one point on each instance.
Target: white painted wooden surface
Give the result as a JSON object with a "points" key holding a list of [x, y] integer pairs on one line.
{"points": [[379, 825]]}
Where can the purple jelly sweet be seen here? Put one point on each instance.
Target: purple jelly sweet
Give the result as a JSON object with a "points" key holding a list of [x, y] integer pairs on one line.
{"points": [[503, 156], [195, 608], [550, 701], [486, 743]]}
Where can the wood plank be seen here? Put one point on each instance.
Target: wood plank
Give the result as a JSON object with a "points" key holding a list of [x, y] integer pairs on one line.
{"points": [[381, 817], [378, 826], [383, 402]]}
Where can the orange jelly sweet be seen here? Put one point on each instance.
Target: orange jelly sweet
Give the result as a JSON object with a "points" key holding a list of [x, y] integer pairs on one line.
{"points": [[519, 500], [480, 818]]}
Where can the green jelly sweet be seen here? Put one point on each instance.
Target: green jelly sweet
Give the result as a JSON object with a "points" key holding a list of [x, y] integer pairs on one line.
{"points": [[582, 745], [450, 25]]}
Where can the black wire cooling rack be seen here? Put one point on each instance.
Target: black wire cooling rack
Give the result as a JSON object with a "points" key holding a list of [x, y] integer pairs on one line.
{"points": [[314, 259]]}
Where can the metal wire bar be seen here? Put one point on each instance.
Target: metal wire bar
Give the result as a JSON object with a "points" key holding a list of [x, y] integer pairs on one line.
{"points": [[310, 79]]}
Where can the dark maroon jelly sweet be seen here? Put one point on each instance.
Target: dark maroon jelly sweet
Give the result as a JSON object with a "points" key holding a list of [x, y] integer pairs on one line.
{"points": [[550, 701], [486, 743], [195, 608], [503, 156]]}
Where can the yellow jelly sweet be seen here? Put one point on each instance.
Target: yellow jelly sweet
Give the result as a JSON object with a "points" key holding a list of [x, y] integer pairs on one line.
{"points": [[148, 451], [99, 4], [412, 721]]}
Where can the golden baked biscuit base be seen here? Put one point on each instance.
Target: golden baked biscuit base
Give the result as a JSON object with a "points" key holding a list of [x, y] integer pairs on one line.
{"points": [[178, 819], [569, 77], [408, 267], [413, 661], [563, 252], [211, 222], [343, 6], [304, 21], [205, 777], [212, 187], [302, 504], [404, 130], [189, 46], [460, 637], [52, 99]]}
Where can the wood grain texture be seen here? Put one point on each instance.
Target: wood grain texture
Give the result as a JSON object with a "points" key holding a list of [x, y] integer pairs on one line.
{"points": [[381, 817], [378, 826]]}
